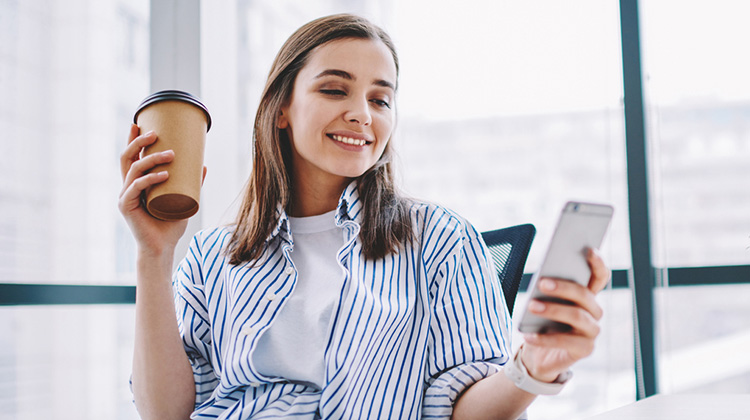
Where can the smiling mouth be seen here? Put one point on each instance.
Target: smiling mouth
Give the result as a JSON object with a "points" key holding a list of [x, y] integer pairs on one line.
{"points": [[348, 140]]}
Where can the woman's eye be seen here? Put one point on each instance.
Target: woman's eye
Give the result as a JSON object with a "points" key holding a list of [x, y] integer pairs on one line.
{"points": [[380, 103], [333, 92]]}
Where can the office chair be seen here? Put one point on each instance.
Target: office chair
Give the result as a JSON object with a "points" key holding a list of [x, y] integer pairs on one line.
{"points": [[510, 248]]}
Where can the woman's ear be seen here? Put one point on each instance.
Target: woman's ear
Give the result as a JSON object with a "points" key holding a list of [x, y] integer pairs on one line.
{"points": [[282, 122]]}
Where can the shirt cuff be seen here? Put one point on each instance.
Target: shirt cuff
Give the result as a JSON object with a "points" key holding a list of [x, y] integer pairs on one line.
{"points": [[443, 393]]}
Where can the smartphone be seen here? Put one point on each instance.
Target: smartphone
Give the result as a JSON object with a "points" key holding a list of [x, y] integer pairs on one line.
{"points": [[580, 226]]}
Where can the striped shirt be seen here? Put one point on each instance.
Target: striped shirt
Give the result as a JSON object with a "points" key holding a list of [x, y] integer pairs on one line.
{"points": [[410, 331]]}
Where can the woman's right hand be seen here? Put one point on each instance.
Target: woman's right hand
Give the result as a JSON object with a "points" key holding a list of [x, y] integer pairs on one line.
{"points": [[151, 234]]}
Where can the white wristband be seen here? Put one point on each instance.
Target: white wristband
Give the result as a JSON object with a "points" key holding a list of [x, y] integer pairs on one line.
{"points": [[520, 376]]}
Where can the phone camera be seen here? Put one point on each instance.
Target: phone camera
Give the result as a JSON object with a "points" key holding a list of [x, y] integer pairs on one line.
{"points": [[575, 207]]}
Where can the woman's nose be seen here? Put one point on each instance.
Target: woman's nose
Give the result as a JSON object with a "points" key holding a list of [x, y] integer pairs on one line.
{"points": [[359, 111]]}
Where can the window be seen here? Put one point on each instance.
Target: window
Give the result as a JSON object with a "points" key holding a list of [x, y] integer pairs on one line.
{"points": [[70, 76], [698, 115], [66, 362], [506, 110], [698, 104], [504, 122]]}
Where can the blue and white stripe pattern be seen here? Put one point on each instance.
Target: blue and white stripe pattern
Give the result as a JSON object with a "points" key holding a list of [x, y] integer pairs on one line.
{"points": [[410, 331]]}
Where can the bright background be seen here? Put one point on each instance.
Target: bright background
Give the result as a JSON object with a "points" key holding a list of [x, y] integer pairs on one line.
{"points": [[506, 110]]}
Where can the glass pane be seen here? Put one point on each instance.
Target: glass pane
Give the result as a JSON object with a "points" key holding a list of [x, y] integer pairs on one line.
{"points": [[68, 73], [698, 113], [514, 111], [704, 333], [505, 116], [534, 119], [66, 362], [498, 119]]}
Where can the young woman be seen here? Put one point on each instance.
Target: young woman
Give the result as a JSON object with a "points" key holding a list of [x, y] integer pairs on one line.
{"points": [[333, 296]]}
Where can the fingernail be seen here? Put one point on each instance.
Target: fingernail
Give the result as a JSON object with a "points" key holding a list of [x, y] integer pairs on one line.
{"points": [[536, 306], [547, 284]]}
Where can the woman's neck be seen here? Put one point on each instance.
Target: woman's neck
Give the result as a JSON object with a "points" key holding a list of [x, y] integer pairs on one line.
{"points": [[314, 197]]}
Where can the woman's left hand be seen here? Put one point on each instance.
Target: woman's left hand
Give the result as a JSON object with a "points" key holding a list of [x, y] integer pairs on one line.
{"points": [[548, 355]]}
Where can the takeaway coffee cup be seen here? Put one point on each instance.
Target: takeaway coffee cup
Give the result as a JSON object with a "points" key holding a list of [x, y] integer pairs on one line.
{"points": [[180, 122]]}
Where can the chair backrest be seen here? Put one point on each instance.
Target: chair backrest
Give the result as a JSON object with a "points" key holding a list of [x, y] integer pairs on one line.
{"points": [[510, 248]]}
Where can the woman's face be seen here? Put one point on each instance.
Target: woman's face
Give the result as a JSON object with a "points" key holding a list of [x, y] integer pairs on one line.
{"points": [[341, 112]]}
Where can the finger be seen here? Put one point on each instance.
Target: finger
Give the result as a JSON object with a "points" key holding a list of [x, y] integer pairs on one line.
{"points": [[143, 166], [133, 150], [577, 346], [600, 273], [581, 320], [130, 199], [572, 292], [134, 131]]}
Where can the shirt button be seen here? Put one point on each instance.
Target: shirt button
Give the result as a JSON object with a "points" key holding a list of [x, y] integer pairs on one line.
{"points": [[254, 384], [289, 271], [271, 296], [246, 330]]}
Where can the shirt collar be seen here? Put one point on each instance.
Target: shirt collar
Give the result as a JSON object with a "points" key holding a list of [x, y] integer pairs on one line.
{"points": [[349, 208], [282, 225]]}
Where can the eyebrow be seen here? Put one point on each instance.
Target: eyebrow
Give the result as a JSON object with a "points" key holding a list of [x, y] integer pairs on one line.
{"points": [[348, 76]]}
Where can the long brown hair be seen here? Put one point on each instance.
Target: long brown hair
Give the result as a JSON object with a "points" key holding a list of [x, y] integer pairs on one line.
{"points": [[386, 222]]}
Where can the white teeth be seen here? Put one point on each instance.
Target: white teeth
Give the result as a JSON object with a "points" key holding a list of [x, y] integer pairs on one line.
{"points": [[349, 140]]}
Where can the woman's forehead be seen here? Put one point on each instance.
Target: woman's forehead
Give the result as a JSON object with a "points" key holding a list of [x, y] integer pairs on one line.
{"points": [[368, 58]]}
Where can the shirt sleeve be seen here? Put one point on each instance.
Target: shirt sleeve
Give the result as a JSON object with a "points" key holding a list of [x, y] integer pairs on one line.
{"points": [[193, 320], [470, 327], [445, 390]]}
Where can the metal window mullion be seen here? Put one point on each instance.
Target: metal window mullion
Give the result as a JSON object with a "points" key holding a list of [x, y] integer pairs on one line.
{"points": [[638, 200]]}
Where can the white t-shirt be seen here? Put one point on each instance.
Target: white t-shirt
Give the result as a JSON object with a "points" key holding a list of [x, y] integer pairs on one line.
{"points": [[294, 346]]}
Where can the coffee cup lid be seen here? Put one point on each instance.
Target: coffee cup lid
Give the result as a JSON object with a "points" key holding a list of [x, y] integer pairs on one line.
{"points": [[173, 95]]}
